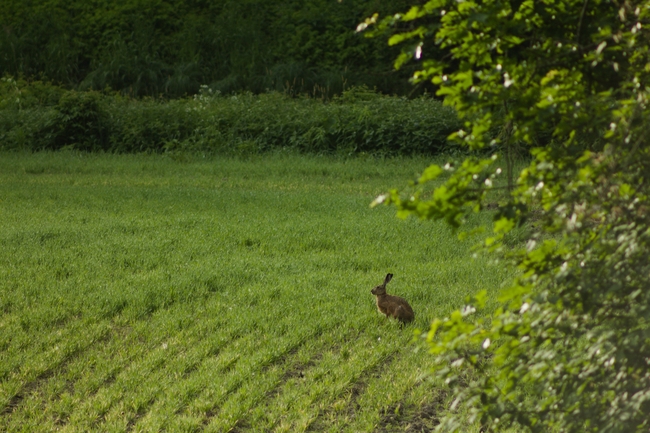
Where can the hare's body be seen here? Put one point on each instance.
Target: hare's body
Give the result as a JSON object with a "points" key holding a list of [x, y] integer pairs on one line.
{"points": [[392, 306]]}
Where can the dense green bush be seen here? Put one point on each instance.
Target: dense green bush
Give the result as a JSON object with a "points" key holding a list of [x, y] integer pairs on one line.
{"points": [[568, 349], [38, 116]]}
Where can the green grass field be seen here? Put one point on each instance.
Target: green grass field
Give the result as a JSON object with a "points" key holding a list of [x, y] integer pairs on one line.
{"points": [[141, 293]]}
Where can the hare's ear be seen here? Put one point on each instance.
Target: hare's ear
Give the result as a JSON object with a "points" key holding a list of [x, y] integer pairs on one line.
{"points": [[388, 278]]}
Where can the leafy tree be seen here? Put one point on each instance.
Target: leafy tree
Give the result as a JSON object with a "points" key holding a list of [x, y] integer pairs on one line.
{"points": [[569, 347], [171, 47]]}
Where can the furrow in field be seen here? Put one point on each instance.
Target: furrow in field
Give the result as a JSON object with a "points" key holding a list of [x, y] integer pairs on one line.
{"points": [[64, 347], [150, 383], [55, 403], [390, 397], [318, 396], [347, 405], [72, 395], [255, 375], [145, 375], [237, 412], [298, 398]]}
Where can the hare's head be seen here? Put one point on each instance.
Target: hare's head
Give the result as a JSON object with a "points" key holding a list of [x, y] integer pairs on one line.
{"points": [[381, 289]]}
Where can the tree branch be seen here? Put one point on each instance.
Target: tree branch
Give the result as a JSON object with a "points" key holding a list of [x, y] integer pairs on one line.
{"points": [[582, 15]]}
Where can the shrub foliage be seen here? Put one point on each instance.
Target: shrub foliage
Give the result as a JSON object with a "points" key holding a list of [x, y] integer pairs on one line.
{"points": [[569, 349], [37, 116]]}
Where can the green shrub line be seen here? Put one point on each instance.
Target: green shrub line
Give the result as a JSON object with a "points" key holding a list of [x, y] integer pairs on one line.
{"points": [[39, 116]]}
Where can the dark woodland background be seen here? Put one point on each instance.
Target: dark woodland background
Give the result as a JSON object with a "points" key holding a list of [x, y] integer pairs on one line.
{"points": [[171, 47]]}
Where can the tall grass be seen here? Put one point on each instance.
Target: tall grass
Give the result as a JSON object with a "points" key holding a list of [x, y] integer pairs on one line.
{"points": [[144, 293]]}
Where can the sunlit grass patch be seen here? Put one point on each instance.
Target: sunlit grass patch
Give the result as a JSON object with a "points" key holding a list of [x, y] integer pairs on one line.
{"points": [[142, 293]]}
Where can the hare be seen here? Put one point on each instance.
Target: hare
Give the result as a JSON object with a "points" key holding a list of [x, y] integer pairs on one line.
{"points": [[392, 306]]}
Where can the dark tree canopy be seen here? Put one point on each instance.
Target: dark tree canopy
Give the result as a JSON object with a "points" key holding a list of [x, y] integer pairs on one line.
{"points": [[171, 47]]}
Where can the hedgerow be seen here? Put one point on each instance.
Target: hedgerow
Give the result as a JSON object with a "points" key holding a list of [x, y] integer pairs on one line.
{"points": [[38, 116]]}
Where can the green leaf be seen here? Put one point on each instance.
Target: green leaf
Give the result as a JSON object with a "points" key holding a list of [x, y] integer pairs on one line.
{"points": [[431, 173], [503, 225]]}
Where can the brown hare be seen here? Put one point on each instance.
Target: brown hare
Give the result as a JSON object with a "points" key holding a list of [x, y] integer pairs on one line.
{"points": [[392, 306]]}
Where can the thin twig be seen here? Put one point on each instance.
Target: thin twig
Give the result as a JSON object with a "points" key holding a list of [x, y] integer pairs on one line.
{"points": [[493, 188], [507, 130], [582, 15]]}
